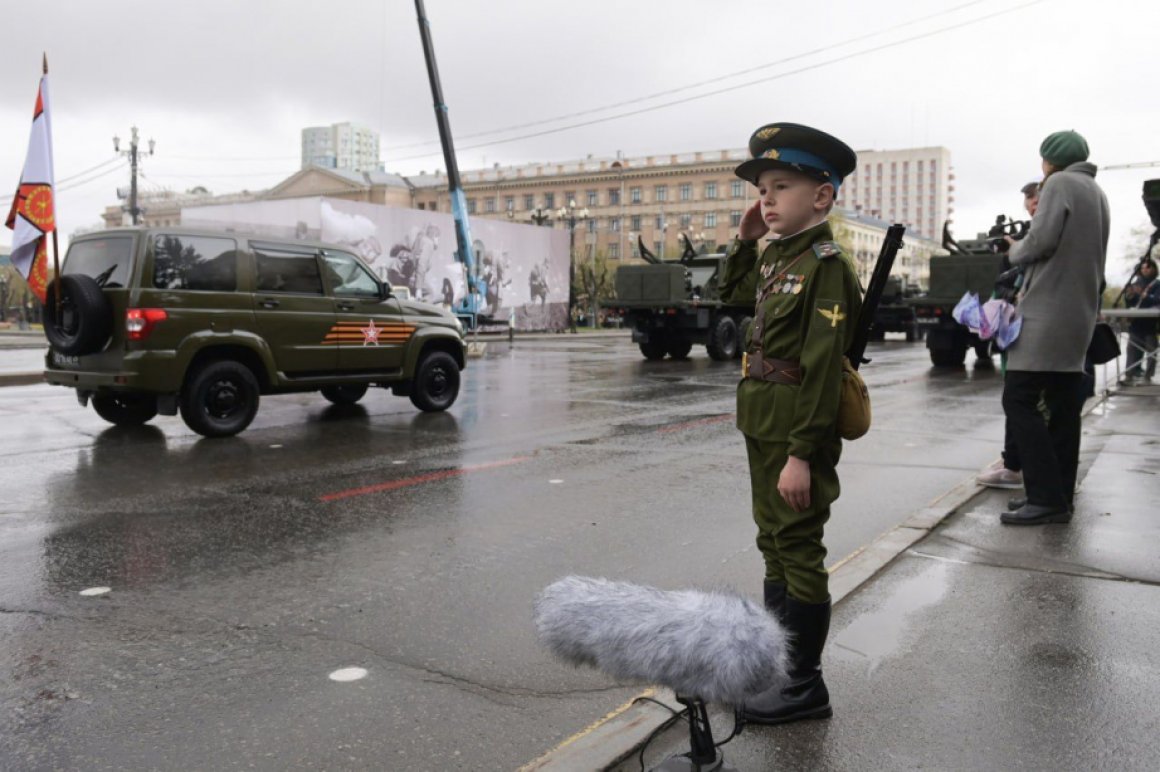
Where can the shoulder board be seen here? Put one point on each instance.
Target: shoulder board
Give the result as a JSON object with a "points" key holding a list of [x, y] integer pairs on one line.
{"points": [[824, 249]]}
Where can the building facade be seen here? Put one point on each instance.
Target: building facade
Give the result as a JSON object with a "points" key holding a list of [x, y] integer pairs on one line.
{"points": [[913, 186], [341, 146]]}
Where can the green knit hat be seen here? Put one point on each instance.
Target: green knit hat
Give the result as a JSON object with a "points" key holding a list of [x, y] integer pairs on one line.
{"points": [[1064, 148]]}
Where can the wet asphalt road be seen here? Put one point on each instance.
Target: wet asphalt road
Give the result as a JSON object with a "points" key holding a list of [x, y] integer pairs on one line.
{"points": [[244, 571]]}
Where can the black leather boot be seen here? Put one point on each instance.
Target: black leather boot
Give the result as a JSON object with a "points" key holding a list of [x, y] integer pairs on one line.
{"points": [[805, 696], [775, 599]]}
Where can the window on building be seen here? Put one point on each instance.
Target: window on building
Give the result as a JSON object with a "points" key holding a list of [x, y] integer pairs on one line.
{"points": [[614, 224], [710, 190], [634, 195], [636, 222], [711, 220], [662, 192], [660, 222], [422, 205], [592, 224], [635, 251], [570, 198], [471, 206], [431, 206], [509, 203], [734, 218], [686, 191], [593, 198], [686, 220], [549, 200], [614, 251], [656, 248], [489, 205], [529, 202], [613, 196], [735, 189]]}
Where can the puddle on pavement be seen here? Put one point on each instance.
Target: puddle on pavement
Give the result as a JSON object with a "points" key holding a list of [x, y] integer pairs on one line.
{"points": [[879, 634]]}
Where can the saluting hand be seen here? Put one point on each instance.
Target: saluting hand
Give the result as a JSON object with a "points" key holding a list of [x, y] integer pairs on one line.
{"points": [[794, 483], [752, 224]]}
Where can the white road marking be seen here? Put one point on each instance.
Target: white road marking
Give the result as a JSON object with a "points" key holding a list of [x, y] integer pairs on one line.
{"points": [[348, 674], [91, 591], [555, 482], [399, 461], [275, 446]]}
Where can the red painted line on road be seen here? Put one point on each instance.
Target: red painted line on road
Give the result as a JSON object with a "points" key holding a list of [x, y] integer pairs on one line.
{"points": [[408, 482], [693, 424]]}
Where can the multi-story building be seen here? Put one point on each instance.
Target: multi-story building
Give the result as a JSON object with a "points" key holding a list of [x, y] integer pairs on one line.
{"points": [[617, 203], [913, 186], [341, 146]]}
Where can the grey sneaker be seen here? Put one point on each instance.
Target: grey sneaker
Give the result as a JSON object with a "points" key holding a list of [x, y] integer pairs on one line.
{"points": [[1001, 477]]}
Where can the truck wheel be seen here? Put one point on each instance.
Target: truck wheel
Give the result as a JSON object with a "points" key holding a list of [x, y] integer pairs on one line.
{"points": [[743, 329], [85, 321], [722, 343], [125, 409], [911, 332], [948, 357], [220, 398], [654, 350], [877, 334], [983, 351], [679, 348], [344, 394], [436, 383]]}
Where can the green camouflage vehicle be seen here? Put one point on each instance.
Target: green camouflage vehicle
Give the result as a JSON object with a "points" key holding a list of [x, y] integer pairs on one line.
{"points": [[972, 266], [168, 320], [894, 313], [672, 305]]}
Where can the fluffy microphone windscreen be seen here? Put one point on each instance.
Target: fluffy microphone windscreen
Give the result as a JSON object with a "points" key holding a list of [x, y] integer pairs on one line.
{"points": [[718, 646]]}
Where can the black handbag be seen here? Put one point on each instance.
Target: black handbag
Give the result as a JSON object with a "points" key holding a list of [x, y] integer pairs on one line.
{"points": [[1105, 345]]}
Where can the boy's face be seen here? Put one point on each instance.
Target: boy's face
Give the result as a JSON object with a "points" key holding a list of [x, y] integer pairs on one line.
{"points": [[791, 202], [1031, 203]]}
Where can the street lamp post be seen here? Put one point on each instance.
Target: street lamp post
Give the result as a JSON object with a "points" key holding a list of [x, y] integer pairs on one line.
{"points": [[3, 298], [132, 154], [569, 215]]}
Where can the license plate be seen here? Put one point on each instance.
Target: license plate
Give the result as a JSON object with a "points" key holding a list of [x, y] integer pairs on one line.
{"points": [[932, 322], [64, 360]]}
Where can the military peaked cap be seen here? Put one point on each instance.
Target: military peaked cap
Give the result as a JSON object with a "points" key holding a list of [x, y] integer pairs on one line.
{"points": [[798, 148]]}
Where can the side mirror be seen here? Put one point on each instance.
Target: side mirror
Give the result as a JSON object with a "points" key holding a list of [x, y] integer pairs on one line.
{"points": [[384, 292]]}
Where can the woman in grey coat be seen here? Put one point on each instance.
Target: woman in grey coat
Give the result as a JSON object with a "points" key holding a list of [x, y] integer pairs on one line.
{"points": [[1063, 257]]}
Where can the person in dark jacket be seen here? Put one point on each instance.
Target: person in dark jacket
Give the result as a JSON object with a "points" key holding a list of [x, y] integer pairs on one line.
{"points": [[1143, 292]]}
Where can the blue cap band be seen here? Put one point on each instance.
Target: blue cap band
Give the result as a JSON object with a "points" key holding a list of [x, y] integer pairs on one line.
{"points": [[791, 155]]}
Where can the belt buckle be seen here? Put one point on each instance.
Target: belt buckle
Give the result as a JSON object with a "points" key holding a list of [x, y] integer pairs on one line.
{"points": [[745, 364]]}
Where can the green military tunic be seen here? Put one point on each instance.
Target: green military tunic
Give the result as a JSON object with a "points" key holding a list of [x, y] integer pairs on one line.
{"points": [[809, 318]]}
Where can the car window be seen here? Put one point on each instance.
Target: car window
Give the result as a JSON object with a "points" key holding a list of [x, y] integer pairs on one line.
{"points": [[107, 260], [348, 276], [288, 272], [195, 263]]}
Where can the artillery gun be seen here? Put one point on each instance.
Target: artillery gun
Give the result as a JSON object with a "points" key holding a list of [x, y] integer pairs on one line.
{"points": [[672, 305]]}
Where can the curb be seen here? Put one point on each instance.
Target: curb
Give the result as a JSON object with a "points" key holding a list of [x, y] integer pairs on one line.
{"points": [[621, 733], [21, 379]]}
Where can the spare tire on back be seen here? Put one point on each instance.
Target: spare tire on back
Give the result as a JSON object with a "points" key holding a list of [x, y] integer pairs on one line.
{"points": [[85, 319]]}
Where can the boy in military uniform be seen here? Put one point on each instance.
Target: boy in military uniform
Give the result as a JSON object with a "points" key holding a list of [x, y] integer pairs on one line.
{"points": [[807, 300]]}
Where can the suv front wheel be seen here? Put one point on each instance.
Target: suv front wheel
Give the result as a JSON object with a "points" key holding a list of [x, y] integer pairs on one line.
{"points": [[220, 399], [436, 383], [125, 409]]}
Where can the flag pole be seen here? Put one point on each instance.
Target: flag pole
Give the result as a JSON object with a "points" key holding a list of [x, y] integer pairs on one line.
{"points": [[55, 243]]}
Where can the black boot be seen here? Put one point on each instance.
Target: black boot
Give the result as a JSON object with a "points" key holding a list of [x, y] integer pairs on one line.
{"points": [[805, 696], [775, 600]]}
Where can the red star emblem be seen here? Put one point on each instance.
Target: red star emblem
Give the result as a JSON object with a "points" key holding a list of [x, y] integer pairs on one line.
{"points": [[370, 333]]}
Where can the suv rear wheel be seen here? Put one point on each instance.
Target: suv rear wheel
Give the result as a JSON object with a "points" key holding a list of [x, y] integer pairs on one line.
{"points": [[125, 409], [220, 398], [436, 383], [345, 394], [85, 320]]}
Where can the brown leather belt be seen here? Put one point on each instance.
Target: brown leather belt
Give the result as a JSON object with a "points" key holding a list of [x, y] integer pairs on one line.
{"points": [[765, 368]]}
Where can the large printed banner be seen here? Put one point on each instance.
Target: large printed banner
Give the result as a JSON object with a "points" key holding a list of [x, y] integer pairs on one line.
{"points": [[524, 267]]}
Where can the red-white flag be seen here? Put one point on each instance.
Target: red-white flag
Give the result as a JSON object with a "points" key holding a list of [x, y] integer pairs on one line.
{"points": [[33, 214]]}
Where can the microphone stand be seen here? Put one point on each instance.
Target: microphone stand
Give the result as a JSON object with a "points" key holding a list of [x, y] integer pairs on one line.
{"points": [[703, 755]]}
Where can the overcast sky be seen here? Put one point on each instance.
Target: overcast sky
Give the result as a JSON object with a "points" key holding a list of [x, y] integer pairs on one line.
{"points": [[226, 87]]}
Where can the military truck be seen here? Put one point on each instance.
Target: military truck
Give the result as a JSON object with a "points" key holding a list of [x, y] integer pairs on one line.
{"points": [[672, 305], [894, 313], [972, 266]]}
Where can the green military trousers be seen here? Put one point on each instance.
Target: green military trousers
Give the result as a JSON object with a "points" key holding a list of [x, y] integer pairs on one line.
{"points": [[791, 542]]}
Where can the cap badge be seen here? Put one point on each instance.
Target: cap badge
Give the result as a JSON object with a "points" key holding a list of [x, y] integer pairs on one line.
{"points": [[767, 132], [772, 154]]}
